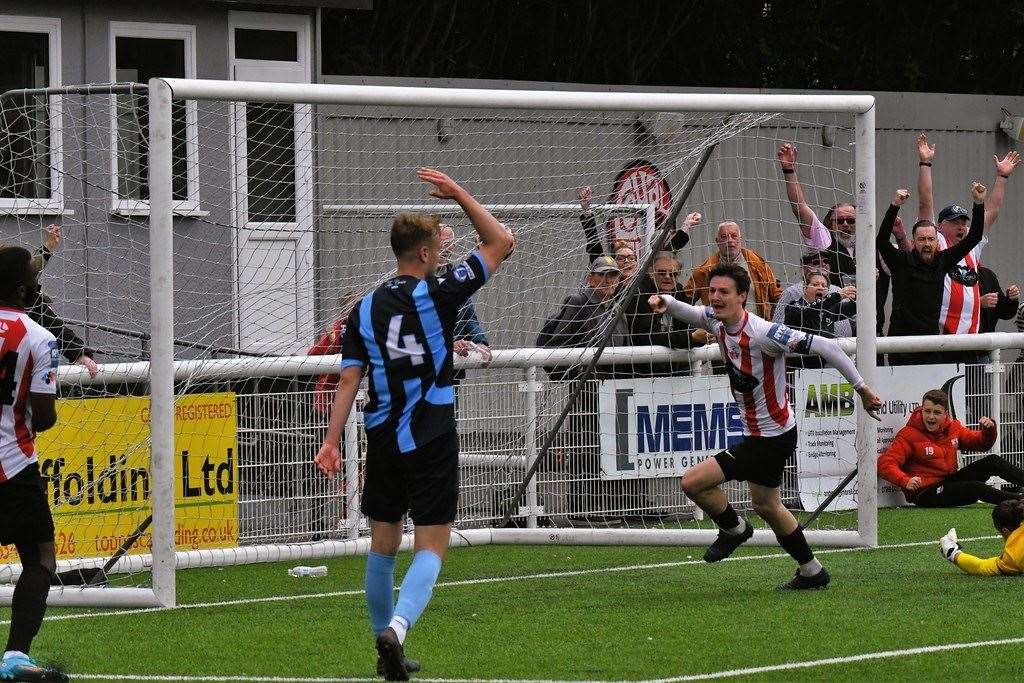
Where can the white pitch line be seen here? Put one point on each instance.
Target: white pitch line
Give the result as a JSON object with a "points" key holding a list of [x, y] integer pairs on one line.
{"points": [[868, 656], [728, 673], [475, 582]]}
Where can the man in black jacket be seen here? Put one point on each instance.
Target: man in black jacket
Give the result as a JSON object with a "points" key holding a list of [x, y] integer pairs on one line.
{"points": [[647, 328], [580, 322], [583, 316], [918, 275]]}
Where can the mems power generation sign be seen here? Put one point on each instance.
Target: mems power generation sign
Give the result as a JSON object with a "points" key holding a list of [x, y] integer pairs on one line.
{"points": [[661, 427]]}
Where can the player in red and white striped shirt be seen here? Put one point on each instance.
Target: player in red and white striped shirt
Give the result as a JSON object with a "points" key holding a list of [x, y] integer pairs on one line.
{"points": [[755, 352], [28, 386], [960, 312]]}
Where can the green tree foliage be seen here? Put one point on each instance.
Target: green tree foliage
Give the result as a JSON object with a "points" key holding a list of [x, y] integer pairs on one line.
{"points": [[952, 46]]}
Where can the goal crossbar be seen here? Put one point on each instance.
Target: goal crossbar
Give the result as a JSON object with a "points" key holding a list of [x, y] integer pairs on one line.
{"points": [[398, 96]]}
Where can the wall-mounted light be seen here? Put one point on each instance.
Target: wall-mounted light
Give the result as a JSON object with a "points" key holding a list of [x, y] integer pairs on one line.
{"points": [[828, 136], [1013, 126], [444, 130]]}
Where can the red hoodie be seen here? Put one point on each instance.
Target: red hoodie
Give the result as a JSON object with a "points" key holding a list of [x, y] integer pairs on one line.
{"points": [[916, 452], [328, 344]]}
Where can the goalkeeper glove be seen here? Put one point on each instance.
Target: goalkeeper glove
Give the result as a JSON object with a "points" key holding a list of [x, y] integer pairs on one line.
{"points": [[949, 546]]}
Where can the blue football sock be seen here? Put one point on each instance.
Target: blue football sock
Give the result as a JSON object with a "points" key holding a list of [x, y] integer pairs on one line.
{"points": [[380, 589], [417, 586]]}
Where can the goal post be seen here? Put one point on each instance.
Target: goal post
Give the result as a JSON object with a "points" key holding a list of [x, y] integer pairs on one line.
{"points": [[164, 91], [264, 207]]}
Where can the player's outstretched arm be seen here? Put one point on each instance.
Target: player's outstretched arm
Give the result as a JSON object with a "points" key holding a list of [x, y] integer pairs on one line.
{"points": [[328, 459], [949, 547], [496, 242], [660, 303], [829, 350]]}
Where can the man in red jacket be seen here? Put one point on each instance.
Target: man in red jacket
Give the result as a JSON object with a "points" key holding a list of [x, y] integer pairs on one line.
{"points": [[922, 459]]}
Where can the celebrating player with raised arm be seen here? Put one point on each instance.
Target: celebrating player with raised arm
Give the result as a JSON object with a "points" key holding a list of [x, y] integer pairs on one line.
{"points": [[400, 334], [754, 350]]}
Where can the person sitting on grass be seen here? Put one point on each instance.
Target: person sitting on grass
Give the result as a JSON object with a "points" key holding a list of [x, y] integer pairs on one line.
{"points": [[1008, 518], [922, 459]]}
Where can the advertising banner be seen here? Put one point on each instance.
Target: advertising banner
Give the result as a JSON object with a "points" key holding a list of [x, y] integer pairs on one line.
{"points": [[95, 467]]}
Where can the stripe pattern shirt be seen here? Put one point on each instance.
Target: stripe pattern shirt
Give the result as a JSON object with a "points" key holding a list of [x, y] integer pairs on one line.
{"points": [[961, 293], [401, 334], [28, 364], [755, 355]]}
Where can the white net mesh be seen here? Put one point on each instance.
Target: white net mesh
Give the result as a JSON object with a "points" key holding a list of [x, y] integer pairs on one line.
{"points": [[283, 213]]}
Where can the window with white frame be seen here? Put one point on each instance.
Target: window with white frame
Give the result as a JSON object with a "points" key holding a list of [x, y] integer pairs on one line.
{"points": [[139, 52], [30, 125]]}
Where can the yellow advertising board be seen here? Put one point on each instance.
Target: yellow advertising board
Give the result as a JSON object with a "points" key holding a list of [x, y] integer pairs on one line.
{"points": [[95, 467]]}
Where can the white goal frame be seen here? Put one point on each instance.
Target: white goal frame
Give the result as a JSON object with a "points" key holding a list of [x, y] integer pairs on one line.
{"points": [[163, 91], [162, 369]]}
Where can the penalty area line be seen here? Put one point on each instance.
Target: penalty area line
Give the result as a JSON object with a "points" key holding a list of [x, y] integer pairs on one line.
{"points": [[477, 582]]}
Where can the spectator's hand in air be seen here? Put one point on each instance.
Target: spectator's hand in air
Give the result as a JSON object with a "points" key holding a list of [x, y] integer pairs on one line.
{"points": [[986, 423], [585, 194], [925, 152], [1006, 165], [89, 364], [914, 484], [870, 400], [51, 240], [444, 187], [657, 304], [485, 352], [901, 196], [787, 157], [989, 300], [849, 292], [692, 220], [328, 460], [1013, 292], [462, 347], [978, 192]]}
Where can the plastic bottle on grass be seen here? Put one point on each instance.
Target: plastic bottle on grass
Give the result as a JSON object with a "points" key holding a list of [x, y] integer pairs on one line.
{"points": [[302, 570]]}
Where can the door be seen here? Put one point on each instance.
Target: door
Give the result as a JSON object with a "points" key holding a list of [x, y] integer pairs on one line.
{"points": [[272, 146]]}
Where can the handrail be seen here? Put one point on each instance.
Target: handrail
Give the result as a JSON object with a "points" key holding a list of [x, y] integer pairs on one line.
{"points": [[299, 366]]}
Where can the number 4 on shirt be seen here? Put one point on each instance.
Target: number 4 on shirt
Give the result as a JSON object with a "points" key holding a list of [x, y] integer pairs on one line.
{"points": [[405, 346]]}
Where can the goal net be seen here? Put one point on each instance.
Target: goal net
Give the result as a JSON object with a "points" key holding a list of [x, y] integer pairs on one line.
{"points": [[282, 198]]}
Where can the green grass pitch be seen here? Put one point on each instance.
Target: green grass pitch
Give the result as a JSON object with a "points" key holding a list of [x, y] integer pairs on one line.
{"points": [[641, 623]]}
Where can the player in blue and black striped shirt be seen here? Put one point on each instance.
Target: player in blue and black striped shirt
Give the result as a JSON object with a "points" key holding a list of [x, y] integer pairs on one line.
{"points": [[400, 334]]}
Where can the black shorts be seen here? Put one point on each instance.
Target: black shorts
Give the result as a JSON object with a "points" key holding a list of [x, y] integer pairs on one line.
{"points": [[759, 459], [424, 482], [24, 511]]}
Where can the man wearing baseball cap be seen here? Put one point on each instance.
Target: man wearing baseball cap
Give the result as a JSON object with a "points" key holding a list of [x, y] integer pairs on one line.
{"points": [[960, 312]]}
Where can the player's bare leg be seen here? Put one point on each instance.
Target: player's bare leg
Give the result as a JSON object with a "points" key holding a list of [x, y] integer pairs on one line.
{"points": [[702, 484], [768, 505]]}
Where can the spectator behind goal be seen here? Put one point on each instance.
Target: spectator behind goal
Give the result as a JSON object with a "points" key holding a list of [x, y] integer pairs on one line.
{"points": [[765, 288], [817, 312]]}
